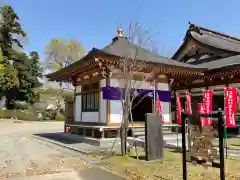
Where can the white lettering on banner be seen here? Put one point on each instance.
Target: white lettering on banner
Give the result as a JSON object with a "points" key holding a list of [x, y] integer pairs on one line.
{"points": [[230, 106], [208, 106]]}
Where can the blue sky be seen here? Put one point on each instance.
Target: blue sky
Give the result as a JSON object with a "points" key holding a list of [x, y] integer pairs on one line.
{"points": [[94, 22]]}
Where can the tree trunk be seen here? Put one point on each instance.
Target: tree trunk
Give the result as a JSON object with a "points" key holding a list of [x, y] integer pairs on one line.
{"points": [[122, 132], [124, 129], [135, 144], [58, 98], [9, 103]]}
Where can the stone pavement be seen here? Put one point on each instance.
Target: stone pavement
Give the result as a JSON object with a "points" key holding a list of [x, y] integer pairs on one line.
{"points": [[98, 174], [23, 157], [93, 173], [86, 174]]}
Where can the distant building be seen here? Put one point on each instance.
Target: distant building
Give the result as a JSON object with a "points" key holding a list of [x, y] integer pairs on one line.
{"points": [[215, 51]]}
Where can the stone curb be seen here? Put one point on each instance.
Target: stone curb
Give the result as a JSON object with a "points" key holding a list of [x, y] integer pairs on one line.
{"points": [[60, 144], [74, 149]]}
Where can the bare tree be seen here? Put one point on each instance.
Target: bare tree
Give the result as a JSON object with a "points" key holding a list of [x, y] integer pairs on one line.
{"points": [[130, 66], [60, 54]]}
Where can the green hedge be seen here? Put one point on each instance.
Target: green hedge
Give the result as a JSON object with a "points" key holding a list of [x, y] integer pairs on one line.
{"points": [[59, 117], [30, 115], [21, 115]]}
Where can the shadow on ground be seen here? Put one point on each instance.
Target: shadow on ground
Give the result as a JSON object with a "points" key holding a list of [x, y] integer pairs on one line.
{"points": [[65, 138], [99, 174]]}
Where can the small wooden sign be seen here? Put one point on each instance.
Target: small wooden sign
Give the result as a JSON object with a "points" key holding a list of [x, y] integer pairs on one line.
{"points": [[153, 137], [202, 148]]}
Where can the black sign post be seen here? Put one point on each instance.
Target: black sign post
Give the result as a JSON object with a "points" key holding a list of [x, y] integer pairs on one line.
{"points": [[184, 160], [221, 143], [221, 146]]}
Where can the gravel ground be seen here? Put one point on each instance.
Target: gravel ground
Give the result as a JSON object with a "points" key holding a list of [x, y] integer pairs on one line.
{"points": [[22, 156]]}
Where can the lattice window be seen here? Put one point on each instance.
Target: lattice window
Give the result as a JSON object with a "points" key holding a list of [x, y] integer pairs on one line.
{"points": [[90, 101]]}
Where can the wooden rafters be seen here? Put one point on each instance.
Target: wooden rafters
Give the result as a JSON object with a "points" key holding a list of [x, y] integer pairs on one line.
{"points": [[89, 62], [211, 78], [148, 67]]}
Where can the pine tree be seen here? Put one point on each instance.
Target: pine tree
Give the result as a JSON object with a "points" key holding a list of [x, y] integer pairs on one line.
{"points": [[20, 72]]}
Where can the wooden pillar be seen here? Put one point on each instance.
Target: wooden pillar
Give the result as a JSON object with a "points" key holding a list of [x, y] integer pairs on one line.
{"points": [[108, 104], [174, 97], [74, 104], [170, 105], [226, 85], [99, 103], [188, 128]]}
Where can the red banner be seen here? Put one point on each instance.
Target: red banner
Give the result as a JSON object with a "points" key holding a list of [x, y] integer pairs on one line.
{"points": [[159, 107], [179, 109], [230, 107], [201, 111], [208, 106], [189, 102]]}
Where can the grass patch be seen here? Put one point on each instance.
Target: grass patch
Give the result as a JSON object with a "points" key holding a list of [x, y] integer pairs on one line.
{"points": [[167, 169], [232, 143]]}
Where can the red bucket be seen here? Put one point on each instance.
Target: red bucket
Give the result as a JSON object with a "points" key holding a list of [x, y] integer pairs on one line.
{"points": [[67, 129]]}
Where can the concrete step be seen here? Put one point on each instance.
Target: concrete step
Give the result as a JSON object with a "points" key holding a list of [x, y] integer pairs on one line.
{"points": [[141, 137], [139, 129], [138, 133], [142, 134]]}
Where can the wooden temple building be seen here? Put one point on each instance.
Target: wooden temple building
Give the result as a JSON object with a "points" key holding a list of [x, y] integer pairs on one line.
{"points": [[206, 59], [219, 54]]}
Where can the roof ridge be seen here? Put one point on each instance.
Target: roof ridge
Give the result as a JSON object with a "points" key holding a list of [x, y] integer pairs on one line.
{"points": [[146, 50], [212, 31], [114, 41]]}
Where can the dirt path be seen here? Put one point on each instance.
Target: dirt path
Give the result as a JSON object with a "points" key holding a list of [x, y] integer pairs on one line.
{"points": [[22, 156]]}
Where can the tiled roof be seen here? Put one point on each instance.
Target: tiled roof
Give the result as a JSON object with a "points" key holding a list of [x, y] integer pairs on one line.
{"points": [[210, 38], [122, 48], [221, 63]]}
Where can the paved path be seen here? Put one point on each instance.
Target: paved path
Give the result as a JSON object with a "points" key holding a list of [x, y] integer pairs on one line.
{"points": [[23, 157]]}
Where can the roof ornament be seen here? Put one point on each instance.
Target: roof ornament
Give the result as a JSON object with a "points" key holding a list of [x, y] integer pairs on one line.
{"points": [[193, 27], [120, 32]]}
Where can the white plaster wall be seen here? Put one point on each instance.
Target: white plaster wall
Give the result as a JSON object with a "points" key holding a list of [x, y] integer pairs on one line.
{"points": [[102, 104], [139, 84], [78, 89], [235, 85], [116, 111], [163, 86], [136, 84], [90, 117], [78, 108], [218, 90], [165, 105], [116, 105], [166, 111]]}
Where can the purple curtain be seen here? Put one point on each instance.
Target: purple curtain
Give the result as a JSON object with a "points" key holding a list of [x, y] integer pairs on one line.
{"points": [[114, 93]]}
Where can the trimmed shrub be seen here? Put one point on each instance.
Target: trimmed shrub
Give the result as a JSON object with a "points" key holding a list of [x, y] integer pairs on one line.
{"points": [[49, 114], [21, 106], [25, 115], [60, 117]]}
